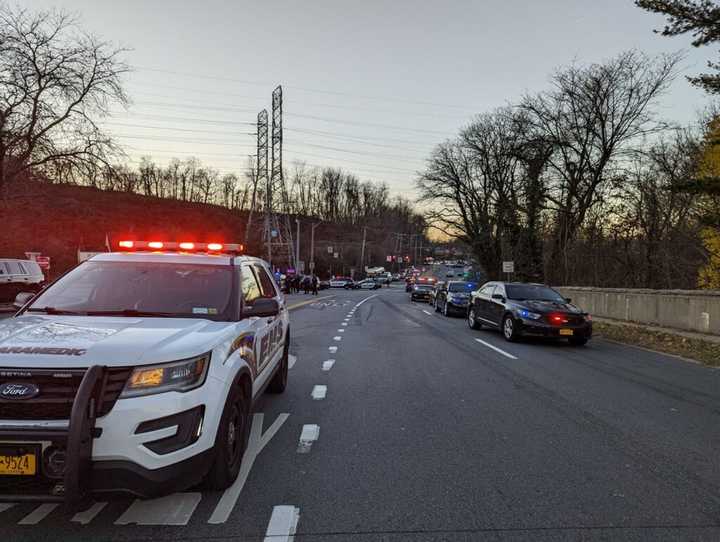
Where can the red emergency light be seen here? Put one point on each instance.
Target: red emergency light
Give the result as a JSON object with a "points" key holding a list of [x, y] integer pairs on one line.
{"points": [[184, 246]]}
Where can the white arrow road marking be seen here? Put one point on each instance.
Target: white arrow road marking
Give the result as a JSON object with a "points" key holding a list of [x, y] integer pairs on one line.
{"points": [[309, 434], [256, 443], [37, 515], [86, 516], [291, 361], [332, 349], [319, 392], [6, 506], [175, 509], [327, 365], [283, 524], [337, 338], [496, 349]]}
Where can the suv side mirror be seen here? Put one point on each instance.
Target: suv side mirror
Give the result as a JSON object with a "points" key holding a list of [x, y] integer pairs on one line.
{"points": [[261, 307], [499, 297], [22, 298]]}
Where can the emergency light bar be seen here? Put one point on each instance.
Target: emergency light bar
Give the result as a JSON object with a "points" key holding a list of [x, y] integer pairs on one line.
{"points": [[185, 246]]}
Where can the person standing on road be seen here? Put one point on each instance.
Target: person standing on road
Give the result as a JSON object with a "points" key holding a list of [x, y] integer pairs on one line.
{"points": [[315, 282]]}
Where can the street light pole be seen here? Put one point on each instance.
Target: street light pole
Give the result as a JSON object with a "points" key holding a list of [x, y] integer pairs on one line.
{"points": [[312, 246]]}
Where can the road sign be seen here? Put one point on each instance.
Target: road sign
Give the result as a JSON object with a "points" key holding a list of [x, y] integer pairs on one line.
{"points": [[43, 262], [336, 255], [330, 250], [508, 267], [300, 266], [273, 233]]}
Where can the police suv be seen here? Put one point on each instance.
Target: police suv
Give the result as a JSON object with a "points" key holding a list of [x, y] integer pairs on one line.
{"points": [[136, 372]]}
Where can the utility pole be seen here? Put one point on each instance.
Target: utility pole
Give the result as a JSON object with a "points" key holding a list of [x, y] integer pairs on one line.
{"points": [[362, 251], [297, 248], [312, 246]]}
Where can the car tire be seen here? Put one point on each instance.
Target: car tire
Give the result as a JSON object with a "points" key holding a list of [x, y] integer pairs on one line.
{"points": [[578, 341], [231, 441], [279, 381], [471, 321], [509, 329]]}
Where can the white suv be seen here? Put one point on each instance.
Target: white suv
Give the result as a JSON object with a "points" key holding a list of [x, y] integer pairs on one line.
{"points": [[137, 371]]}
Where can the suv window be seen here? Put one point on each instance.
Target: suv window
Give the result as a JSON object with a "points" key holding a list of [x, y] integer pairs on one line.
{"points": [[266, 284], [487, 289], [250, 286], [15, 268]]}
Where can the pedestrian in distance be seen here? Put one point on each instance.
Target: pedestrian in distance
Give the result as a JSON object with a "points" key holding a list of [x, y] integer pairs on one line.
{"points": [[315, 282]]}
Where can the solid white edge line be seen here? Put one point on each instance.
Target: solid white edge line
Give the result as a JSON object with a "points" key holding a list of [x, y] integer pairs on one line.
{"points": [[283, 524], [319, 392], [498, 350]]}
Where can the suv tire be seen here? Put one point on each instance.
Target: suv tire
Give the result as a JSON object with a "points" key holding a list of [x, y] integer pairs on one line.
{"points": [[231, 441], [509, 329], [279, 381], [471, 321]]}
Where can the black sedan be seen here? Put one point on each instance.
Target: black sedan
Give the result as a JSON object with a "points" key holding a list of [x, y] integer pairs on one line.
{"points": [[420, 292], [453, 297], [519, 309]]}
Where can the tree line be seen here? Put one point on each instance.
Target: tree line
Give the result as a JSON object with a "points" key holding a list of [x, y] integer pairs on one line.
{"points": [[578, 184]]}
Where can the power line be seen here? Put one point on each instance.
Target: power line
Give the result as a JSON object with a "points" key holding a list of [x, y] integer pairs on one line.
{"points": [[187, 119], [173, 129], [372, 125], [303, 89]]}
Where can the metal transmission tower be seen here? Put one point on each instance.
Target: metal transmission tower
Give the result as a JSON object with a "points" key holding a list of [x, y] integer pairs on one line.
{"points": [[261, 167], [277, 230]]}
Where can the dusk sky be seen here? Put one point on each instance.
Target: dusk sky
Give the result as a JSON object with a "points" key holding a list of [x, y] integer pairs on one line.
{"points": [[369, 86]]}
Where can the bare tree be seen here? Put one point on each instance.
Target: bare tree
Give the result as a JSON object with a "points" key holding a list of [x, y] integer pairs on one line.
{"points": [[55, 83]]}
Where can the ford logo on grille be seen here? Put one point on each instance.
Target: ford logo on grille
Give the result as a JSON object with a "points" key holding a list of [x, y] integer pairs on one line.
{"points": [[18, 390]]}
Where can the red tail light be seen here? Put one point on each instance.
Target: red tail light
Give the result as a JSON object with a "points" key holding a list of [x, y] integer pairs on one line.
{"points": [[214, 246], [187, 246], [126, 244], [156, 244]]}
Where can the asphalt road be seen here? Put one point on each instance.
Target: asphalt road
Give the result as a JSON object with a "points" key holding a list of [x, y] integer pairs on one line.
{"points": [[424, 433]]}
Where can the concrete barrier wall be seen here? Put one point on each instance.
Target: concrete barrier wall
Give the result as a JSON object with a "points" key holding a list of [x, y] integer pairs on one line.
{"points": [[691, 310]]}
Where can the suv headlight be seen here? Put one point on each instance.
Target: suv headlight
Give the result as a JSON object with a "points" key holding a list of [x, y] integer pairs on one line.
{"points": [[180, 376], [524, 313]]}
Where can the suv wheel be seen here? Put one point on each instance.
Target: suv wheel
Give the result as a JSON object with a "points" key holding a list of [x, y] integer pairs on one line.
{"points": [[231, 441], [279, 381], [471, 321], [509, 329]]}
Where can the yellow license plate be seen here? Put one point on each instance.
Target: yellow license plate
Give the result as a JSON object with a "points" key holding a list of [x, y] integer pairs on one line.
{"points": [[18, 465], [566, 332]]}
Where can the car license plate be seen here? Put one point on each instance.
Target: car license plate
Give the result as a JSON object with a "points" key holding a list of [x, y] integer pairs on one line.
{"points": [[566, 332], [18, 465]]}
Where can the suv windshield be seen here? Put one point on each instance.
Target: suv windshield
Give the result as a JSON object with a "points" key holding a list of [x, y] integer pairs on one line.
{"points": [[529, 291], [462, 287], [152, 289], [423, 287]]}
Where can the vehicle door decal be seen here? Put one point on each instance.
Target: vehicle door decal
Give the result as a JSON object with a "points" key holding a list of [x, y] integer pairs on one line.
{"points": [[246, 344]]}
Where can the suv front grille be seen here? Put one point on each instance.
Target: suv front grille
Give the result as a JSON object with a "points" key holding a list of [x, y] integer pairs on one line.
{"points": [[57, 392]]}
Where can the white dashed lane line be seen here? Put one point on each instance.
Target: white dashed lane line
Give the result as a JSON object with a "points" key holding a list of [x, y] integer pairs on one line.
{"points": [[498, 350], [332, 349], [337, 338], [344, 323], [426, 312], [319, 392], [283, 524], [327, 365], [309, 434]]}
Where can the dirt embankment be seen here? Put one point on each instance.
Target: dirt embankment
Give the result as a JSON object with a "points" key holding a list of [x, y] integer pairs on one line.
{"points": [[59, 220]]}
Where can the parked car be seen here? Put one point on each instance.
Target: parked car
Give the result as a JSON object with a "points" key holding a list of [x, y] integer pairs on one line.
{"points": [[367, 284], [323, 285], [519, 309], [453, 297], [19, 276], [340, 282]]}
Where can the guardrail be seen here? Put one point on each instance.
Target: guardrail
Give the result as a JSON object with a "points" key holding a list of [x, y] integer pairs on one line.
{"points": [[691, 310]]}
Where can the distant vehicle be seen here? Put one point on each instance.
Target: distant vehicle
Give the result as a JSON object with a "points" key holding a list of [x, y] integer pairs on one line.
{"points": [[19, 276], [453, 297], [519, 309], [421, 292], [323, 285], [340, 282]]}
